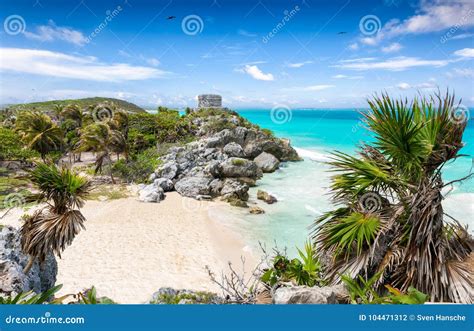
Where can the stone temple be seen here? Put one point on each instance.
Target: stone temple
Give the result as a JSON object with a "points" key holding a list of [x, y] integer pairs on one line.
{"points": [[209, 101]]}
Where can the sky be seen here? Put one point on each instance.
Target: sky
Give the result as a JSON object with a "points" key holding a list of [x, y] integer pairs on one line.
{"points": [[256, 54]]}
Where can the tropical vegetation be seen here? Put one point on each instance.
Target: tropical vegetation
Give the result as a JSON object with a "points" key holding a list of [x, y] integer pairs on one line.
{"points": [[390, 220]]}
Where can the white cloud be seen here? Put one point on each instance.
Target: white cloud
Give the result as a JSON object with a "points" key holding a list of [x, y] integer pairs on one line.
{"points": [[394, 47], [311, 88], [461, 72], [423, 86], [393, 64], [465, 52], [55, 64], [462, 36], [354, 46], [256, 73], [347, 77], [404, 86], [246, 33], [431, 16], [299, 64], [53, 32]]}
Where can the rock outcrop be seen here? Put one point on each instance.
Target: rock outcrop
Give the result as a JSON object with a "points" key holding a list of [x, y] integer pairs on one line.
{"points": [[219, 164], [267, 162], [13, 280], [310, 295], [268, 198]]}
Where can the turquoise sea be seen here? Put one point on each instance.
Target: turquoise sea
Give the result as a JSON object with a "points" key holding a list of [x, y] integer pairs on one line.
{"points": [[301, 187]]}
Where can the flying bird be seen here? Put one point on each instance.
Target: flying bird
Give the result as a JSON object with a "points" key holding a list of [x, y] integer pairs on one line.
{"points": [[171, 17], [342, 32]]}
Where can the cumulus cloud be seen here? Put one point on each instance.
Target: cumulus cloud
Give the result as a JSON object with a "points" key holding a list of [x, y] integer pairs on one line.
{"points": [[256, 73], [52, 32], [423, 86], [55, 64]]}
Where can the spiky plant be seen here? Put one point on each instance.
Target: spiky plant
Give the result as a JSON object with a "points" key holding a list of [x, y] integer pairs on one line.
{"points": [[391, 222], [54, 227], [39, 132]]}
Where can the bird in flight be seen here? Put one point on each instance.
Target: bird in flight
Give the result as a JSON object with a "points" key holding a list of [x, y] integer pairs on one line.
{"points": [[342, 32], [171, 17]]}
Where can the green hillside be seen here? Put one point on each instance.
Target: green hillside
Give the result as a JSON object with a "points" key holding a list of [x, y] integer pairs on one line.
{"points": [[83, 103]]}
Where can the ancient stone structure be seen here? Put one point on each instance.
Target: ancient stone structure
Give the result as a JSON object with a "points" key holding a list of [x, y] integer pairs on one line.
{"points": [[209, 101]]}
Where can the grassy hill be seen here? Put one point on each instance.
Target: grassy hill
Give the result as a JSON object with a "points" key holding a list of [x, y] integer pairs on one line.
{"points": [[83, 103]]}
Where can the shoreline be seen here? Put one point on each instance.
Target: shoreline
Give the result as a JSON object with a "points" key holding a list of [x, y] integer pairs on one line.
{"points": [[130, 249]]}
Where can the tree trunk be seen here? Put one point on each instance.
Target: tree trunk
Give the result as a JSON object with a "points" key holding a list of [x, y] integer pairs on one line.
{"points": [[29, 265]]}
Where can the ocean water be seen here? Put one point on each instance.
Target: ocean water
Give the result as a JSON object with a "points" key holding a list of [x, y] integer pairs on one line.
{"points": [[302, 187]]}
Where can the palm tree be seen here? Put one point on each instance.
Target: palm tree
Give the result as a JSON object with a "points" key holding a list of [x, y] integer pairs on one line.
{"points": [[101, 139], [39, 132], [54, 227], [391, 221]]}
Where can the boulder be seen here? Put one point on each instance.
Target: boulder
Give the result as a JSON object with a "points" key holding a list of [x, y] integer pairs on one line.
{"points": [[233, 149], [256, 210], [165, 183], [268, 198], [13, 280], [236, 202], [151, 193], [216, 186], [310, 295], [234, 189], [239, 167], [168, 170], [193, 186], [267, 162]]}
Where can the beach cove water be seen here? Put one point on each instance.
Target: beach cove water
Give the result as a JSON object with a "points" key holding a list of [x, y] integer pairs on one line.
{"points": [[302, 187]]}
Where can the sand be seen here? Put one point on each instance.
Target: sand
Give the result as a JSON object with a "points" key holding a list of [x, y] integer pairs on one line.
{"points": [[130, 249]]}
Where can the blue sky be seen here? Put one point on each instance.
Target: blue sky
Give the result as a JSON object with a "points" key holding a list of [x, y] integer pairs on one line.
{"points": [[325, 54]]}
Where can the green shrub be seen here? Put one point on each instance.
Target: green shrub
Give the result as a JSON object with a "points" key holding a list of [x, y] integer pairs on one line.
{"points": [[138, 167], [239, 162], [306, 270], [11, 147], [89, 297], [30, 298], [361, 291]]}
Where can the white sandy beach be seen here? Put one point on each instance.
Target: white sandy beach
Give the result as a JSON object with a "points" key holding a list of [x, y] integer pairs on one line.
{"points": [[130, 249]]}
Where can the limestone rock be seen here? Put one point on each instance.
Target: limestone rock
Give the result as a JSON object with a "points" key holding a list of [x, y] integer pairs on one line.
{"points": [[165, 183], [193, 186], [233, 149], [310, 295], [268, 198], [234, 189], [256, 210], [151, 193], [239, 167], [40, 278], [267, 162]]}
